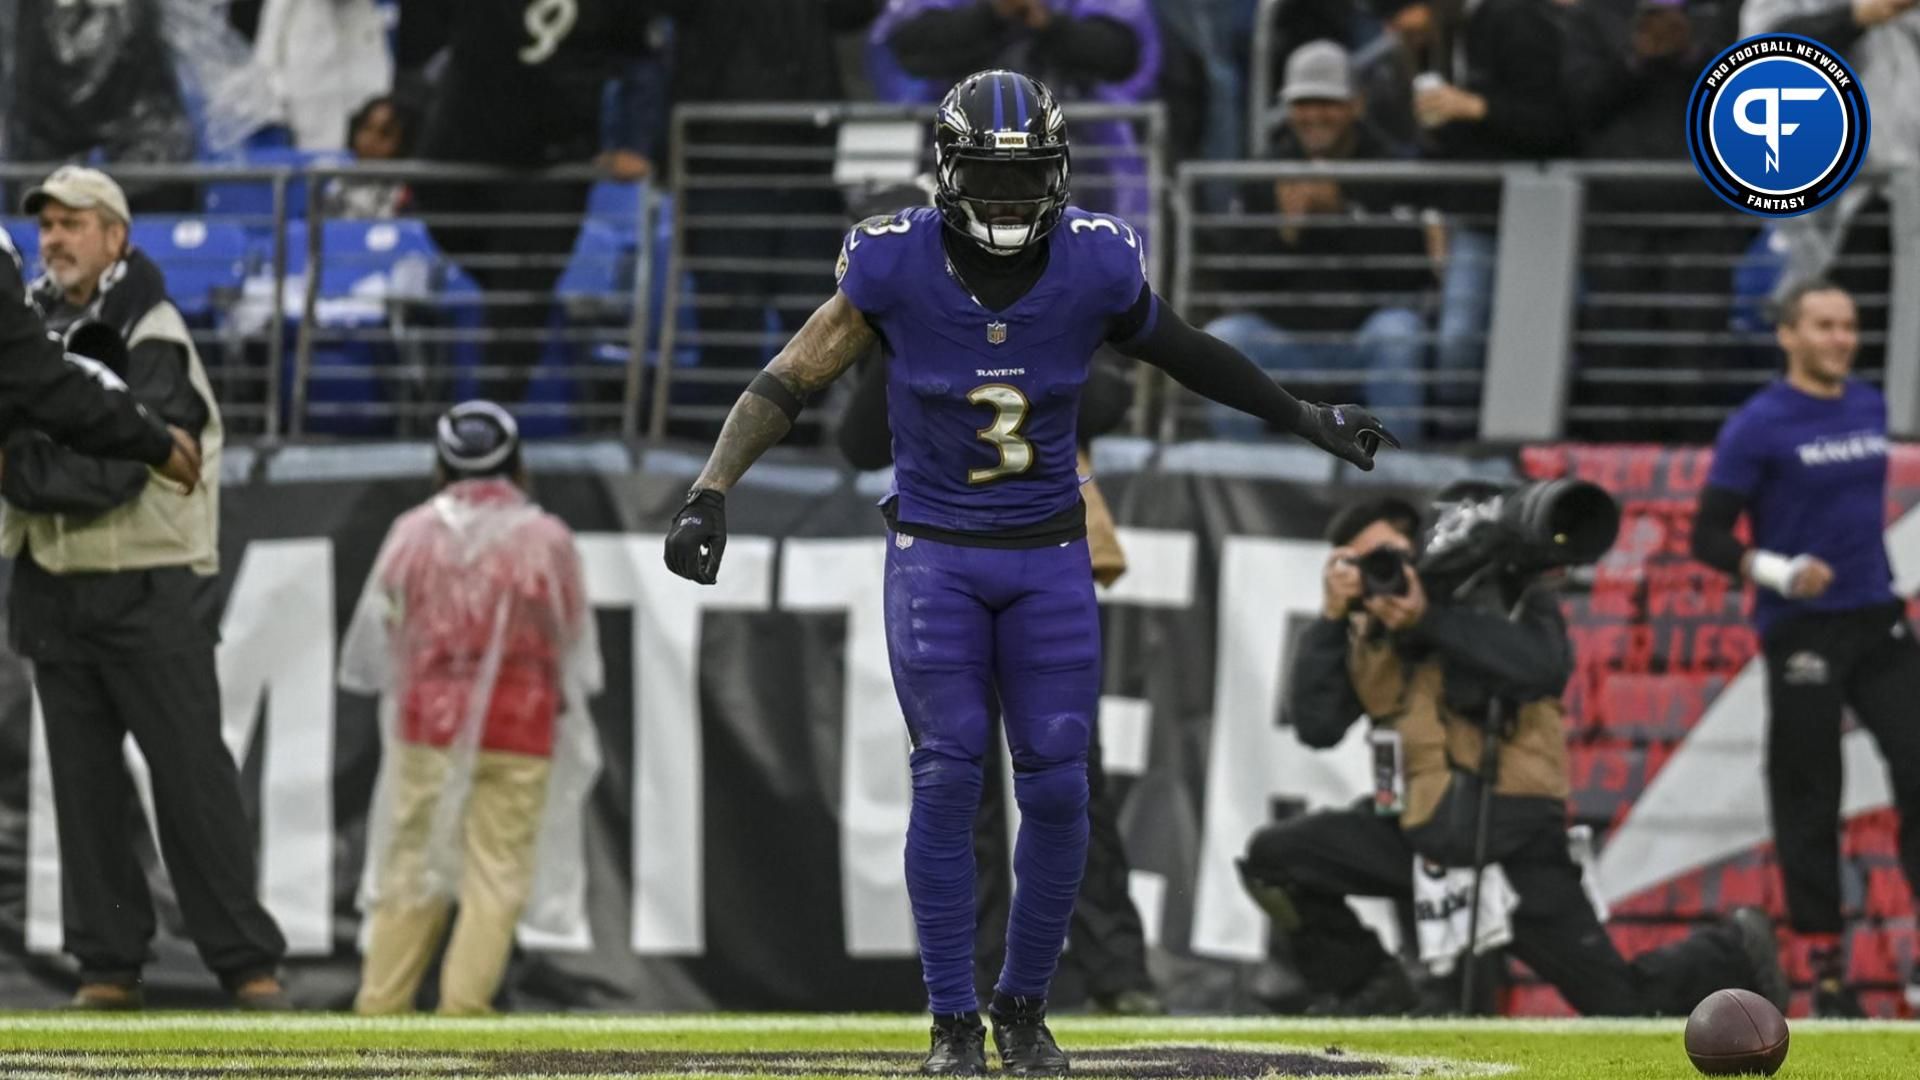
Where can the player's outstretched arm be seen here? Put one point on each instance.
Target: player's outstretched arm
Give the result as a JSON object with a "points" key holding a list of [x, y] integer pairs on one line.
{"points": [[1214, 369], [835, 336]]}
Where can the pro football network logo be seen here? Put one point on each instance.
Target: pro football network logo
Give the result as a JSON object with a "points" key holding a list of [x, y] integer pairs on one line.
{"points": [[1778, 125]]}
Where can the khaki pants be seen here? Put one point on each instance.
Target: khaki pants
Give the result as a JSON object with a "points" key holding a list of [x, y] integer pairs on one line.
{"points": [[502, 821]]}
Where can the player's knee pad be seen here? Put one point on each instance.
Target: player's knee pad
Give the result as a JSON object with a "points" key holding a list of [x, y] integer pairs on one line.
{"points": [[1053, 794], [946, 783]]}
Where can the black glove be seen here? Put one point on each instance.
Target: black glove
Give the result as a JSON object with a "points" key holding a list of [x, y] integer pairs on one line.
{"points": [[698, 536], [1348, 432]]}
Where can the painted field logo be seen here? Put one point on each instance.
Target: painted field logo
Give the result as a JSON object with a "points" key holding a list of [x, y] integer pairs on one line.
{"points": [[1778, 125]]}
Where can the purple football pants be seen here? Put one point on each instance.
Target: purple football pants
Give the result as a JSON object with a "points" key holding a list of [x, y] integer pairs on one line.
{"points": [[962, 624]]}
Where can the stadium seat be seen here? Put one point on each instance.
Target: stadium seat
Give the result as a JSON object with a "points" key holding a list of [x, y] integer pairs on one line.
{"points": [[205, 261], [366, 268], [253, 199], [25, 233]]}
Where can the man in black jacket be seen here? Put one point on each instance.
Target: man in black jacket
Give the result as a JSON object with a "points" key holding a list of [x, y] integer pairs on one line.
{"points": [[1345, 279], [1427, 671], [522, 89], [107, 566], [75, 401]]}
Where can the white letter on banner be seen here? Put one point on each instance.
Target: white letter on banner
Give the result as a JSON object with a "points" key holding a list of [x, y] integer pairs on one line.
{"points": [[875, 785], [277, 643], [669, 883], [1263, 585]]}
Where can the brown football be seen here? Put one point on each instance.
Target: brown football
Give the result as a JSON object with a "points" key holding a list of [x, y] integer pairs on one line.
{"points": [[1734, 1032]]}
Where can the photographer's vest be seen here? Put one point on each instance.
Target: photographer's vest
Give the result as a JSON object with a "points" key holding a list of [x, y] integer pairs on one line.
{"points": [[1408, 697], [160, 527]]}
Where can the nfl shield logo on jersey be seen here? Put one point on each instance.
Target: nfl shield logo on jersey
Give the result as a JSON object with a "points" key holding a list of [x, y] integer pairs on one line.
{"points": [[996, 333]]}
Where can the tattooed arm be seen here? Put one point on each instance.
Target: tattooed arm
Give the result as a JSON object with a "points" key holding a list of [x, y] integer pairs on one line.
{"points": [[834, 338]]}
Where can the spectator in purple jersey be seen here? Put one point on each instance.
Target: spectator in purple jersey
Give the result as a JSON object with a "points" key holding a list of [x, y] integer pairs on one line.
{"points": [[1805, 460], [1091, 50]]}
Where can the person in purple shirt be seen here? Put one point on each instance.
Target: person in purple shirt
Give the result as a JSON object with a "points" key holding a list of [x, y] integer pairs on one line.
{"points": [[1806, 460], [988, 308], [1089, 50]]}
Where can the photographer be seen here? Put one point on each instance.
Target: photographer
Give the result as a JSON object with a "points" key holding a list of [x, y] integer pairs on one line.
{"points": [[1428, 660]]}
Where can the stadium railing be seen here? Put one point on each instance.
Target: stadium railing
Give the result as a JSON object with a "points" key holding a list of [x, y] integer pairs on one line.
{"points": [[1615, 285], [800, 175]]}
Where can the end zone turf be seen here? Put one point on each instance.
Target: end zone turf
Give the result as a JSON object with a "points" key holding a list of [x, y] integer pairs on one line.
{"points": [[309, 1046]]}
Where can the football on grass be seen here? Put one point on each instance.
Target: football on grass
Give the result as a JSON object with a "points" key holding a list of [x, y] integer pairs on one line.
{"points": [[1736, 1032]]}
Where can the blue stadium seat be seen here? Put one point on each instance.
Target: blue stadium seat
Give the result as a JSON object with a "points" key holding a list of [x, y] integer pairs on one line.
{"points": [[205, 261], [1754, 279], [253, 199], [25, 233], [364, 265]]}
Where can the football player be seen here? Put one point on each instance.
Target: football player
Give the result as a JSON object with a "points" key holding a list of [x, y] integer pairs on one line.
{"points": [[989, 306]]}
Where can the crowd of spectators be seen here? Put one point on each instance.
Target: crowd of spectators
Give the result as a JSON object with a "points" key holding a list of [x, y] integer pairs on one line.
{"points": [[1388, 284]]}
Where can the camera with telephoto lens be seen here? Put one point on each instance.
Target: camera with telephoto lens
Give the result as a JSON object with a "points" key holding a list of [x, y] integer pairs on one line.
{"points": [[1515, 531]]}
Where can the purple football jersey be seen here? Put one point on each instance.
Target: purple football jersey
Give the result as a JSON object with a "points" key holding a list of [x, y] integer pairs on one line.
{"points": [[984, 404]]}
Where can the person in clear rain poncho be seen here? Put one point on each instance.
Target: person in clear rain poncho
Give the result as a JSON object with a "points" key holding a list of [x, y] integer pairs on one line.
{"points": [[474, 627]]}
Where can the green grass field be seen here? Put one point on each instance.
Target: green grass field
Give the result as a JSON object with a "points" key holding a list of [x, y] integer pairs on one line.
{"points": [[310, 1046]]}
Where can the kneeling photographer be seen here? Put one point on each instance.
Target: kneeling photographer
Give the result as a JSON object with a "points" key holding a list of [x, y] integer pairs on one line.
{"points": [[1446, 646]]}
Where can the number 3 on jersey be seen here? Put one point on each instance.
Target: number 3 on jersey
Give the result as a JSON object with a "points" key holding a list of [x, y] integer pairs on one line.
{"points": [[1009, 414]]}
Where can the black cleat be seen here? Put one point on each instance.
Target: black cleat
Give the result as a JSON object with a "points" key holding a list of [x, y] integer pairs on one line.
{"points": [[959, 1047], [1833, 999], [1020, 1032]]}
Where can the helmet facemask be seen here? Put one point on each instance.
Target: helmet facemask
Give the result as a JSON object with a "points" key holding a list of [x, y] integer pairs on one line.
{"points": [[1005, 203]]}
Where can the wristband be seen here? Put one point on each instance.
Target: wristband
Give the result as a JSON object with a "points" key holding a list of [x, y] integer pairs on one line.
{"points": [[1774, 571]]}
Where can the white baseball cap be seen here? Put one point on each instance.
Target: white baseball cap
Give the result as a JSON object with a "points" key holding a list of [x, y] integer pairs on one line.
{"points": [[81, 188], [1318, 70]]}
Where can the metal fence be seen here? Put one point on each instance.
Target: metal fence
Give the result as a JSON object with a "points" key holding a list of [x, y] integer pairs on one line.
{"points": [[1615, 299], [1607, 300], [762, 194], [1343, 280]]}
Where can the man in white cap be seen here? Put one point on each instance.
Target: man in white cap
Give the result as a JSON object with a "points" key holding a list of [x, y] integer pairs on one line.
{"points": [[108, 564], [1336, 239], [74, 402]]}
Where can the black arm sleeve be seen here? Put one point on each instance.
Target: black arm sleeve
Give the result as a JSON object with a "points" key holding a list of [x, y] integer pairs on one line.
{"points": [[866, 436], [1713, 520], [1206, 365], [42, 476], [1099, 48], [1836, 29], [1321, 704], [1523, 659], [1107, 397], [947, 44], [39, 388]]}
